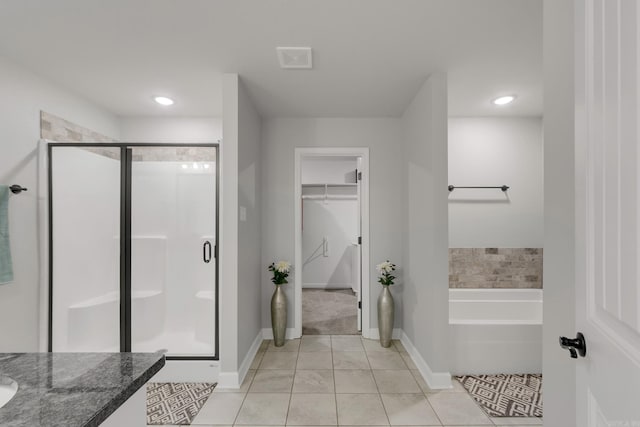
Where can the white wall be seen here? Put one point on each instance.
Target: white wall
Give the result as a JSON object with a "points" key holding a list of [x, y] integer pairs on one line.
{"points": [[249, 228], [494, 151], [329, 170], [334, 220], [24, 94], [193, 130], [337, 222], [559, 292], [228, 224], [386, 173], [425, 223]]}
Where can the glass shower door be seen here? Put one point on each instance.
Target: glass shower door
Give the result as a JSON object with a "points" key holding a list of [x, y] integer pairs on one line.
{"points": [[85, 225], [173, 249]]}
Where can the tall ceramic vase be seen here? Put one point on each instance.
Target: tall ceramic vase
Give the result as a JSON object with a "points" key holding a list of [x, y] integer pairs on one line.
{"points": [[279, 316], [386, 313]]}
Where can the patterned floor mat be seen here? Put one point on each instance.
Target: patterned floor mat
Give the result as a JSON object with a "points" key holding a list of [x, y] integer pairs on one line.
{"points": [[506, 395], [175, 403]]}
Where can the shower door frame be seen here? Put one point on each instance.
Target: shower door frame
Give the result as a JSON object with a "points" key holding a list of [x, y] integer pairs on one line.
{"points": [[125, 236]]}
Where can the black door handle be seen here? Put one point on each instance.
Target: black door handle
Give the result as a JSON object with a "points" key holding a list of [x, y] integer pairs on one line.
{"points": [[576, 346], [206, 251]]}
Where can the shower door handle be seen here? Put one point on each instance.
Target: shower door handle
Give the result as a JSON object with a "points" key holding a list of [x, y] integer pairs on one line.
{"points": [[206, 252]]}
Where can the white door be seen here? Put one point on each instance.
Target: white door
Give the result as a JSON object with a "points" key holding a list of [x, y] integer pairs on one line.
{"points": [[608, 211]]}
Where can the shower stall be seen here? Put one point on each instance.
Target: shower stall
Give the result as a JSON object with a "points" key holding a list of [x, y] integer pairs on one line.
{"points": [[133, 248]]}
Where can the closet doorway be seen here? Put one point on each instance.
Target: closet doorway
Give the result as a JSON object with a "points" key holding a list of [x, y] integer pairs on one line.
{"points": [[332, 252]]}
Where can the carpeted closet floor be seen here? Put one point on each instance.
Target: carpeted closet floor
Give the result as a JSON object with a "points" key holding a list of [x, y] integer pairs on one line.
{"points": [[329, 312]]}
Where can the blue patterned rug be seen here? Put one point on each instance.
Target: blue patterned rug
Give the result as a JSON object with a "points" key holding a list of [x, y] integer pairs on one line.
{"points": [[176, 403]]}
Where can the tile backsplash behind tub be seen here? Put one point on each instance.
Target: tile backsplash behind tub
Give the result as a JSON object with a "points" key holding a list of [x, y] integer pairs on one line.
{"points": [[495, 268]]}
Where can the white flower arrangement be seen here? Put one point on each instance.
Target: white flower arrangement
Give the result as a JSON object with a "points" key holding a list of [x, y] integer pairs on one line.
{"points": [[283, 266], [385, 269], [281, 270]]}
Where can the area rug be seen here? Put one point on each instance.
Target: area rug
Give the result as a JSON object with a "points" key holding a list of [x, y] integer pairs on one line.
{"points": [[176, 403], [329, 312], [506, 395]]}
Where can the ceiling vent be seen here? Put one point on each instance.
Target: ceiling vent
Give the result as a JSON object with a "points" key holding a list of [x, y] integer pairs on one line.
{"points": [[295, 57]]}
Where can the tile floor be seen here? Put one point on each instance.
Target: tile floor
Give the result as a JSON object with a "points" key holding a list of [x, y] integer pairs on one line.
{"points": [[341, 380]]}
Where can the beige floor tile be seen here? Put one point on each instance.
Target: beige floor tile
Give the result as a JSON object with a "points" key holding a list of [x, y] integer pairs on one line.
{"points": [[257, 360], [346, 343], [315, 343], [409, 409], [264, 344], [420, 380], [272, 381], [361, 409], [350, 360], [398, 345], [396, 381], [457, 386], [457, 409], [279, 360], [319, 360], [384, 360], [264, 408], [355, 381], [409, 362], [289, 345], [317, 381], [374, 345], [243, 388], [220, 408], [517, 421], [312, 410]]}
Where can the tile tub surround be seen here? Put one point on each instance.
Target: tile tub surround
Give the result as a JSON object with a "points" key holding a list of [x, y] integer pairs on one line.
{"points": [[340, 380], [495, 268], [73, 389]]}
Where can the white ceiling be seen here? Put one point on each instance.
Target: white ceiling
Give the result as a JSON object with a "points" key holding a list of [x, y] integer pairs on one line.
{"points": [[370, 56]]}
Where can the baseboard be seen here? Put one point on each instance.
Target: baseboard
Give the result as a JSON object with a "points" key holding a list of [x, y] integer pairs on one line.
{"points": [[248, 359], [435, 380], [267, 334], [374, 334], [233, 380]]}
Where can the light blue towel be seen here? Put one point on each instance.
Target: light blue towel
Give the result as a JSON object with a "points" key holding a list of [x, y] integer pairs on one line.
{"points": [[6, 269]]}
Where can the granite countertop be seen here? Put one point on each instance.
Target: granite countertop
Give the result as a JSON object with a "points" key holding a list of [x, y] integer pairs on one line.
{"points": [[72, 389]]}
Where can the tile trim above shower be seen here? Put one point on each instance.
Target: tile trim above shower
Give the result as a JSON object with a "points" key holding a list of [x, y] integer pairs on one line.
{"points": [[495, 268]]}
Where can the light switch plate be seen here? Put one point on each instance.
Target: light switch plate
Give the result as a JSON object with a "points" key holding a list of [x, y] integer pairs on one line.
{"points": [[243, 213]]}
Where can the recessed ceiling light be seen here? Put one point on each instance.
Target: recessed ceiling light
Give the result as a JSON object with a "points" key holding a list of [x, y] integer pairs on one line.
{"points": [[504, 100], [163, 100]]}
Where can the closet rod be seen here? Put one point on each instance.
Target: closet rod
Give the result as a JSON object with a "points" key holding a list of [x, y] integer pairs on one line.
{"points": [[502, 187]]}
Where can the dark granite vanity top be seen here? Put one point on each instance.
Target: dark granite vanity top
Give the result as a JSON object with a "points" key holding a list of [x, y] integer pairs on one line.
{"points": [[72, 389]]}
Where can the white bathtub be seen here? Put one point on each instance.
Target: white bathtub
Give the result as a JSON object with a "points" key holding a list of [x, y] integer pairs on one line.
{"points": [[495, 331]]}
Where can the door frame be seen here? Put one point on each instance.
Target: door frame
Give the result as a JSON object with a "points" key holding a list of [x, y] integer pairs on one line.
{"points": [[125, 240], [301, 153]]}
